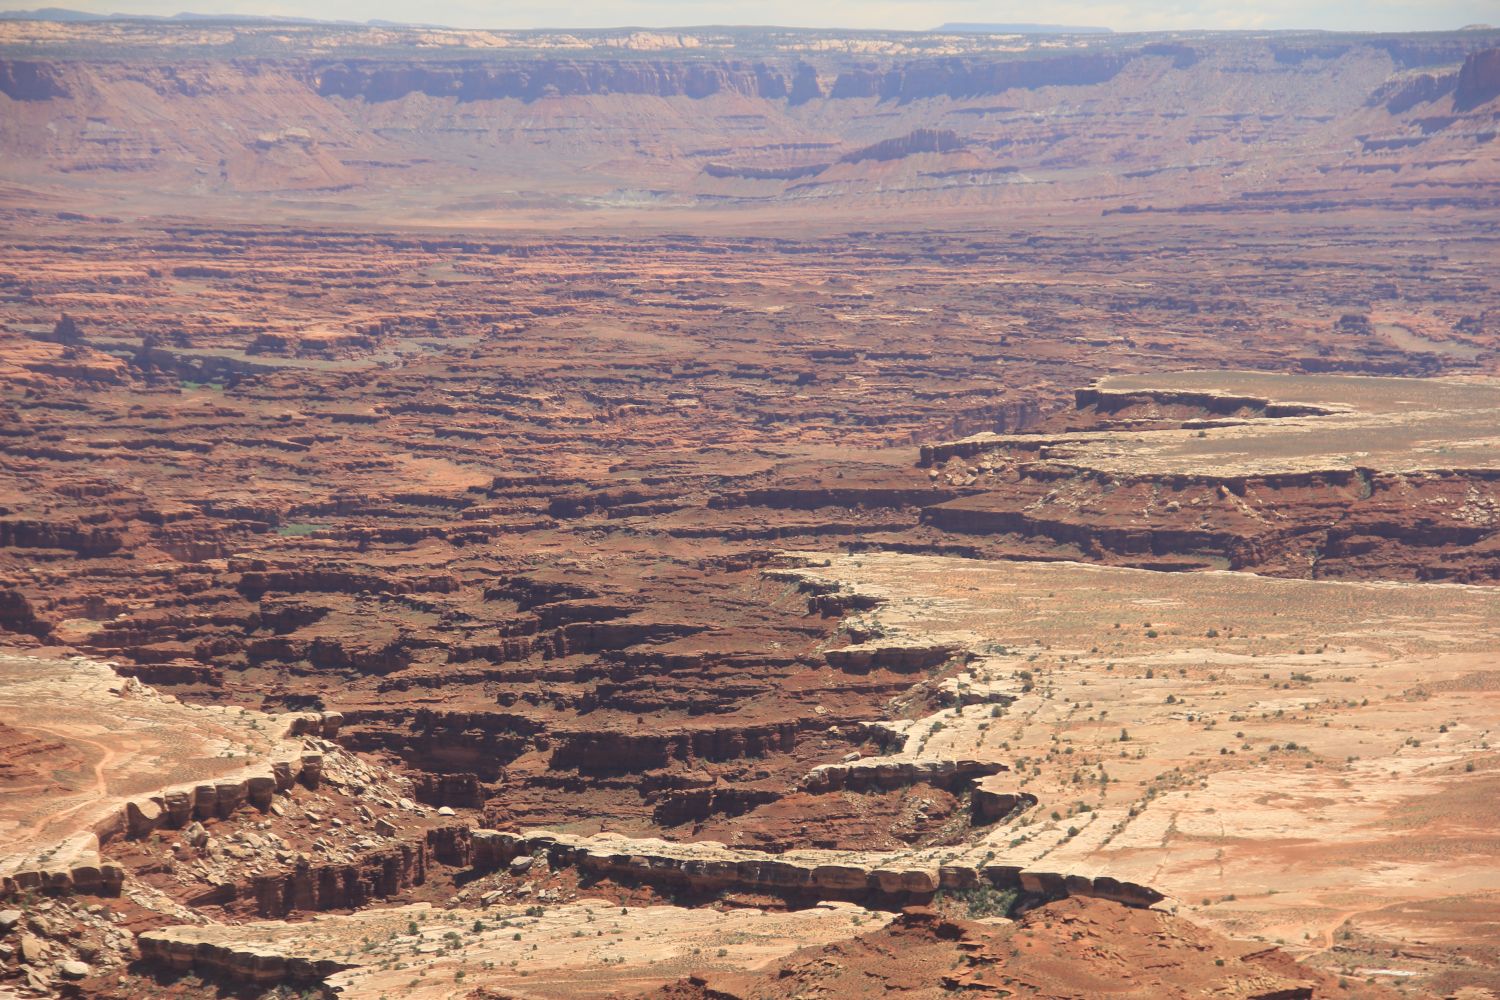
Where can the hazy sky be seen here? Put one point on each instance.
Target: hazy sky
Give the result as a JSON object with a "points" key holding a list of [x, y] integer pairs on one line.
{"points": [[1367, 15]]}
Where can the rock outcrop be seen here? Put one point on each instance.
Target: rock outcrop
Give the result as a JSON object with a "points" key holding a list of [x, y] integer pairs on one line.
{"points": [[877, 773], [311, 886], [23, 80], [1231, 478], [924, 140], [1406, 92], [533, 80], [990, 806], [932, 952], [874, 880], [72, 866], [904, 655], [175, 807], [75, 865], [959, 78], [179, 949], [1478, 80]]}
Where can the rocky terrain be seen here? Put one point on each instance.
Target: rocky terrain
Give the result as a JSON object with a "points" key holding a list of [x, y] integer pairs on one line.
{"points": [[417, 126], [1300, 476], [925, 954], [698, 514]]}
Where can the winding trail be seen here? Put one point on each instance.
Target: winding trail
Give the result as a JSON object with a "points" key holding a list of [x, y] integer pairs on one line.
{"points": [[1338, 922], [100, 789]]}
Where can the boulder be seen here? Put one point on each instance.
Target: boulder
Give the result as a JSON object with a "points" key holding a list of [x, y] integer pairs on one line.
{"points": [[259, 790], [205, 801], [839, 878], [31, 949], [178, 804], [913, 880], [142, 815], [987, 806], [312, 769], [73, 970], [231, 795]]}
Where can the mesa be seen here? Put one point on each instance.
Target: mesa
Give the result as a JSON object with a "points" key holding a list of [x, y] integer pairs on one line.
{"points": [[701, 512]]}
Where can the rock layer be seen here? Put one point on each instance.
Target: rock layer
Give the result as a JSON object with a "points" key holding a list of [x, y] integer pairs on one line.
{"points": [[871, 879]]}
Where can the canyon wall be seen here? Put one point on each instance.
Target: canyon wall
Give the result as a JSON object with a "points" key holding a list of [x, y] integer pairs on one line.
{"points": [[872, 879], [751, 128]]}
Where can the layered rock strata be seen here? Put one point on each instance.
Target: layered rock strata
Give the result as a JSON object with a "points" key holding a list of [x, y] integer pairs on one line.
{"points": [[799, 875]]}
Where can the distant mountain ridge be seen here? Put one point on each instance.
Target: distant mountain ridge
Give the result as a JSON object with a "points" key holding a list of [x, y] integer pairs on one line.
{"points": [[979, 28], [63, 14], [50, 14]]}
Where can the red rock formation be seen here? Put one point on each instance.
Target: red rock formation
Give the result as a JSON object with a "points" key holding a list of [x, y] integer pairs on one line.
{"points": [[22, 80], [1062, 950], [236, 965], [533, 80], [873, 879], [924, 140], [1333, 522], [1405, 93], [1478, 80], [511, 512], [319, 886], [955, 78], [462, 790]]}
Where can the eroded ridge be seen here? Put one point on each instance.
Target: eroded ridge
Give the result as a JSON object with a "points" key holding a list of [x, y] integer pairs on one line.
{"points": [[874, 878], [587, 948], [1349, 724], [400, 124], [1297, 476], [613, 513], [109, 757]]}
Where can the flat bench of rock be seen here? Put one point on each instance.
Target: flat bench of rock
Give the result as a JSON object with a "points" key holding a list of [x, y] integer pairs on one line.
{"points": [[189, 948], [74, 864], [869, 878], [905, 655], [885, 775]]}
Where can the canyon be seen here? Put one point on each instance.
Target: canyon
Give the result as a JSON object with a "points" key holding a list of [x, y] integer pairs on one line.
{"points": [[724, 127], [695, 514]]}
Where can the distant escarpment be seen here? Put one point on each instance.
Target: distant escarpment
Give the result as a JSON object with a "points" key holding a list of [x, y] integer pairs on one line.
{"points": [[923, 140], [1475, 83], [1478, 80], [1406, 92], [29, 81], [530, 80], [798, 83], [752, 126], [1264, 494], [959, 78]]}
